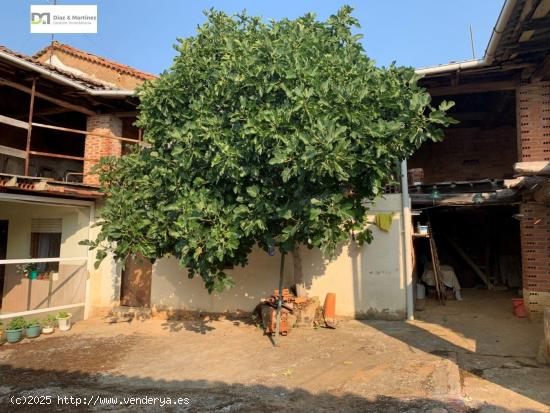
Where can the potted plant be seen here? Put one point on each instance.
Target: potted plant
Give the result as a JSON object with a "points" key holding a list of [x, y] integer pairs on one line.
{"points": [[14, 332], [48, 324], [64, 320], [32, 328], [30, 271]]}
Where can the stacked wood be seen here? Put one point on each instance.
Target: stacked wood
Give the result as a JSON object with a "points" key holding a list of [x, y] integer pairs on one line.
{"points": [[308, 312], [301, 312], [269, 313]]}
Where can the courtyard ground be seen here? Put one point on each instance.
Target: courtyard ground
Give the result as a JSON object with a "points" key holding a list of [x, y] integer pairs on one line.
{"points": [[466, 356]]}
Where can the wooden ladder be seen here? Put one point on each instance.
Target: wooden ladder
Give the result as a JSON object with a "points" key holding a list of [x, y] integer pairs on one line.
{"points": [[438, 278]]}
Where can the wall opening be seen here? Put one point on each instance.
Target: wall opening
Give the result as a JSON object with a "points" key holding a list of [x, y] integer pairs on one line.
{"points": [[470, 241]]}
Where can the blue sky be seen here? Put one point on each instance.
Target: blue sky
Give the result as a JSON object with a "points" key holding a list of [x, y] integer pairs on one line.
{"points": [[141, 33]]}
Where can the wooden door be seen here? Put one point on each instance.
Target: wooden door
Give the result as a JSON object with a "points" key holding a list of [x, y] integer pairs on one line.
{"points": [[3, 252], [135, 288]]}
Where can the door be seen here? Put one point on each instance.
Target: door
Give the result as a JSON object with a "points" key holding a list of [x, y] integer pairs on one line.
{"points": [[3, 252], [135, 289]]}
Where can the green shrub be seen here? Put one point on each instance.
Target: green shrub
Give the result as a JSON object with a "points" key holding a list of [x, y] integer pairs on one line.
{"points": [[17, 323], [49, 321], [63, 314], [32, 323]]}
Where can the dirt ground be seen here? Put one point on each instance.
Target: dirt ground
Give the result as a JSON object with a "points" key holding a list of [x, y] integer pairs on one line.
{"points": [[466, 356]]}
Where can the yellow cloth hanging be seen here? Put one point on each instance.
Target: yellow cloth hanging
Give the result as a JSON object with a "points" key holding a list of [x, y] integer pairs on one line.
{"points": [[383, 221]]}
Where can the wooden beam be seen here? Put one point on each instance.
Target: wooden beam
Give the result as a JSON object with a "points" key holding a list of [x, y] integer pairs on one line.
{"points": [[55, 155], [14, 122], [17, 153], [62, 103], [500, 197], [526, 36], [537, 24], [474, 88], [532, 168], [83, 132], [531, 46], [51, 111], [29, 129], [469, 261], [542, 9]]}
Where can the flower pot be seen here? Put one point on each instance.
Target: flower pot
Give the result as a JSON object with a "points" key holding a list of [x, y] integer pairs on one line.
{"points": [[32, 331], [33, 275], [64, 323], [13, 336], [519, 307], [47, 330]]}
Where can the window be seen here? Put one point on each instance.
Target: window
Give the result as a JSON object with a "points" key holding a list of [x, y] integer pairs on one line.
{"points": [[46, 242]]}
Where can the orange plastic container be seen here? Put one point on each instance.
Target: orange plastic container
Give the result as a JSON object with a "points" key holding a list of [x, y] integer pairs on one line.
{"points": [[519, 307], [329, 309]]}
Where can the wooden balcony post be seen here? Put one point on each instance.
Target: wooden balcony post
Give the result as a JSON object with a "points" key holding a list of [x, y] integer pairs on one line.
{"points": [[29, 130]]}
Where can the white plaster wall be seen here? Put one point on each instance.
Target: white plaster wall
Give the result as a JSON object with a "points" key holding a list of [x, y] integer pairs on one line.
{"points": [[368, 280], [19, 215], [105, 281]]}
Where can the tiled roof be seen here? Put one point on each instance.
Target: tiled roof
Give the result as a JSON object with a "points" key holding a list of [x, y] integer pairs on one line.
{"points": [[85, 81], [96, 59]]}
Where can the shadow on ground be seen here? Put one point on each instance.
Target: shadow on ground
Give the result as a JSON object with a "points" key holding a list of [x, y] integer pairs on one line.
{"points": [[202, 323], [93, 390], [484, 340]]}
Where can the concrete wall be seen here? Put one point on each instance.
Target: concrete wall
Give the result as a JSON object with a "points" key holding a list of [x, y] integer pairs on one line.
{"points": [[368, 280]]}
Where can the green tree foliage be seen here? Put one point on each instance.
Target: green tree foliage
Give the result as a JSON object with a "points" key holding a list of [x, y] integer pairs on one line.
{"points": [[262, 133]]}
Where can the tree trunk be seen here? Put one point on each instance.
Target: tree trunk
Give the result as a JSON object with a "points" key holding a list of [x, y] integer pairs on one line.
{"points": [[279, 301], [298, 274]]}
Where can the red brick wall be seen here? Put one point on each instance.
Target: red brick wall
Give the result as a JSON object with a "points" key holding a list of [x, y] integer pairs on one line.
{"points": [[468, 154], [535, 251], [97, 147], [534, 118], [534, 145]]}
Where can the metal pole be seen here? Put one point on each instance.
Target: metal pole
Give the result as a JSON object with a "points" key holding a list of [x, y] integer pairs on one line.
{"points": [[29, 130], [407, 239], [472, 43], [279, 301]]}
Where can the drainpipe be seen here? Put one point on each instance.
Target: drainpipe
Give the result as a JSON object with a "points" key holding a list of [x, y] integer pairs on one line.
{"points": [[406, 238]]}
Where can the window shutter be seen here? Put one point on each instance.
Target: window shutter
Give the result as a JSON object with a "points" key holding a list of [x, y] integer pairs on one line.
{"points": [[48, 225]]}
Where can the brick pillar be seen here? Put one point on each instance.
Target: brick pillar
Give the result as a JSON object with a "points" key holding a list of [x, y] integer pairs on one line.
{"points": [[535, 256], [533, 101], [96, 147]]}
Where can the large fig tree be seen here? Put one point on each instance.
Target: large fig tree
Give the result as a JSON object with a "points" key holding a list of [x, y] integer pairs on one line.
{"points": [[261, 133]]}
